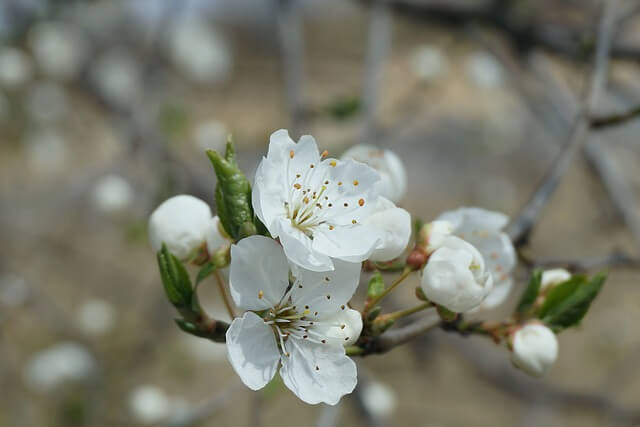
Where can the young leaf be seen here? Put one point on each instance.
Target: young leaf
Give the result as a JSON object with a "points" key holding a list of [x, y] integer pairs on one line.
{"points": [[175, 279], [572, 309], [205, 272], [376, 285], [531, 293], [559, 293]]}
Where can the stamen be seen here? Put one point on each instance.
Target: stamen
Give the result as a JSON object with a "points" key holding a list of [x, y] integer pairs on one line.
{"points": [[332, 163], [291, 153], [260, 294], [325, 153], [355, 182], [361, 202]]}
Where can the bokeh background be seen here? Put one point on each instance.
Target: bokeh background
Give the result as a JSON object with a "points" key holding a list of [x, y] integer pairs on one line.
{"points": [[107, 107]]}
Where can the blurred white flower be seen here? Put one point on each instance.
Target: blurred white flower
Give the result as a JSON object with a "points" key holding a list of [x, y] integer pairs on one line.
{"points": [[554, 277], [112, 194], [535, 349], [210, 135], [46, 102], [485, 70], [393, 174], [303, 329], [46, 150], [316, 206], [428, 63], [455, 276], [395, 225], [60, 363], [379, 399], [14, 290], [484, 230], [435, 233], [59, 48], [199, 51], [16, 67], [96, 316], [182, 223], [117, 75], [149, 404]]}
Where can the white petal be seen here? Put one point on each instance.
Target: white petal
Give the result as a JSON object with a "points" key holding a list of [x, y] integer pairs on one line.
{"points": [[259, 274], [554, 276], [181, 222], [299, 248], [395, 224], [325, 292], [215, 239], [499, 294], [468, 220], [535, 349], [318, 373], [353, 243], [252, 350], [498, 253], [343, 328]]}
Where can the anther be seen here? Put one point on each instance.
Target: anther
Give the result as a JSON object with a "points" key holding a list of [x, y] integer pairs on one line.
{"points": [[355, 182], [260, 294], [332, 163], [325, 153], [361, 202], [291, 153], [297, 186]]}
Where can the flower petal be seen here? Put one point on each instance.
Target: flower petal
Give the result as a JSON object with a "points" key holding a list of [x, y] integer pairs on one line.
{"points": [[325, 292], [299, 248], [395, 224], [252, 350], [343, 328], [467, 220], [353, 243], [259, 274], [318, 373]]}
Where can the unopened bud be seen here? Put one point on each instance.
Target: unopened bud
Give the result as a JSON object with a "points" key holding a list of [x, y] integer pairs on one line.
{"points": [[535, 349], [417, 258]]}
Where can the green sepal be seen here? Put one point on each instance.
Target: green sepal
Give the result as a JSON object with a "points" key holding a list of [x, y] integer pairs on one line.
{"points": [[570, 311], [175, 279], [531, 293], [376, 285], [373, 313]]}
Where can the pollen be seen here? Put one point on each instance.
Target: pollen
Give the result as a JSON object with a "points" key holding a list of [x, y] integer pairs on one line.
{"points": [[353, 221], [361, 202], [311, 166], [331, 227], [325, 153], [291, 154], [356, 182], [260, 294], [342, 326], [297, 186], [332, 163], [339, 182]]}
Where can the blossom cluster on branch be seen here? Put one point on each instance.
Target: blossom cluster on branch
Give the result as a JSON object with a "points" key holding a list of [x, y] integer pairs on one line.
{"points": [[295, 243]]}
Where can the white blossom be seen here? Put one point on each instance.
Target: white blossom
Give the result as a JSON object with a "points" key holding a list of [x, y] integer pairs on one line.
{"points": [[554, 277], [393, 174], [112, 194], [200, 52], [484, 230], [428, 63], [316, 206], [58, 48], [304, 325], [182, 223], [379, 399], [149, 404], [96, 316], [535, 349], [435, 233], [455, 276], [16, 68], [485, 70], [395, 225], [58, 364], [117, 76], [210, 135]]}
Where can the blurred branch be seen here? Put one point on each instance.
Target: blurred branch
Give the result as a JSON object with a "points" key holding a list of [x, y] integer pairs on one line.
{"points": [[520, 229], [292, 51], [600, 122], [378, 47], [614, 259], [204, 410]]}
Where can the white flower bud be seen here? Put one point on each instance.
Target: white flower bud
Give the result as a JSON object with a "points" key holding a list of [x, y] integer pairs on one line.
{"points": [[535, 349], [393, 175], [395, 226], [182, 223], [553, 277], [428, 63], [455, 276], [59, 49], [435, 233], [215, 239], [379, 399], [149, 404], [16, 68], [112, 194]]}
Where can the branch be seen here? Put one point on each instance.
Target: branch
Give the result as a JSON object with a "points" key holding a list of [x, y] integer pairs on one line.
{"points": [[614, 259], [600, 122], [520, 229]]}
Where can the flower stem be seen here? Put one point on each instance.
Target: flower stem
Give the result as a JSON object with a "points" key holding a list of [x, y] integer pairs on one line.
{"points": [[223, 291], [374, 301], [403, 313]]}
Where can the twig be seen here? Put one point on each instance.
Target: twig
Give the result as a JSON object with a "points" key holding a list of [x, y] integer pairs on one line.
{"points": [[222, 287], [520, 229], [329, 415], [378, 46], [614, 259], [292, 51], [600, 122], [203, 411]]}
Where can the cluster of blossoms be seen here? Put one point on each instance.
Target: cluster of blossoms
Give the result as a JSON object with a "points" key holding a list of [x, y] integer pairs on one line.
{"points": [[296, 242]]}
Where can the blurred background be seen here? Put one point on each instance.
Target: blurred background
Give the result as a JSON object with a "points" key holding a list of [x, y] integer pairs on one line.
{"points": [[107, 107]]}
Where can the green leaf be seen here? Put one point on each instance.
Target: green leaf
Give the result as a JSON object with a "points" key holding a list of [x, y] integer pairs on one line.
{"points": [[205, 272], [531, 293], [376, 285], [559, 293], [233, 194], [573, 308], [175, 279]]}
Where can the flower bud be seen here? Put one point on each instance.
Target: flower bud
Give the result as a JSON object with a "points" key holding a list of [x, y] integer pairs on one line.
{"points": [[433, 234], [215, 237], [182, 223], [554, 277], [393, 175], [395, 226], [455, 276], [535, 349]]}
